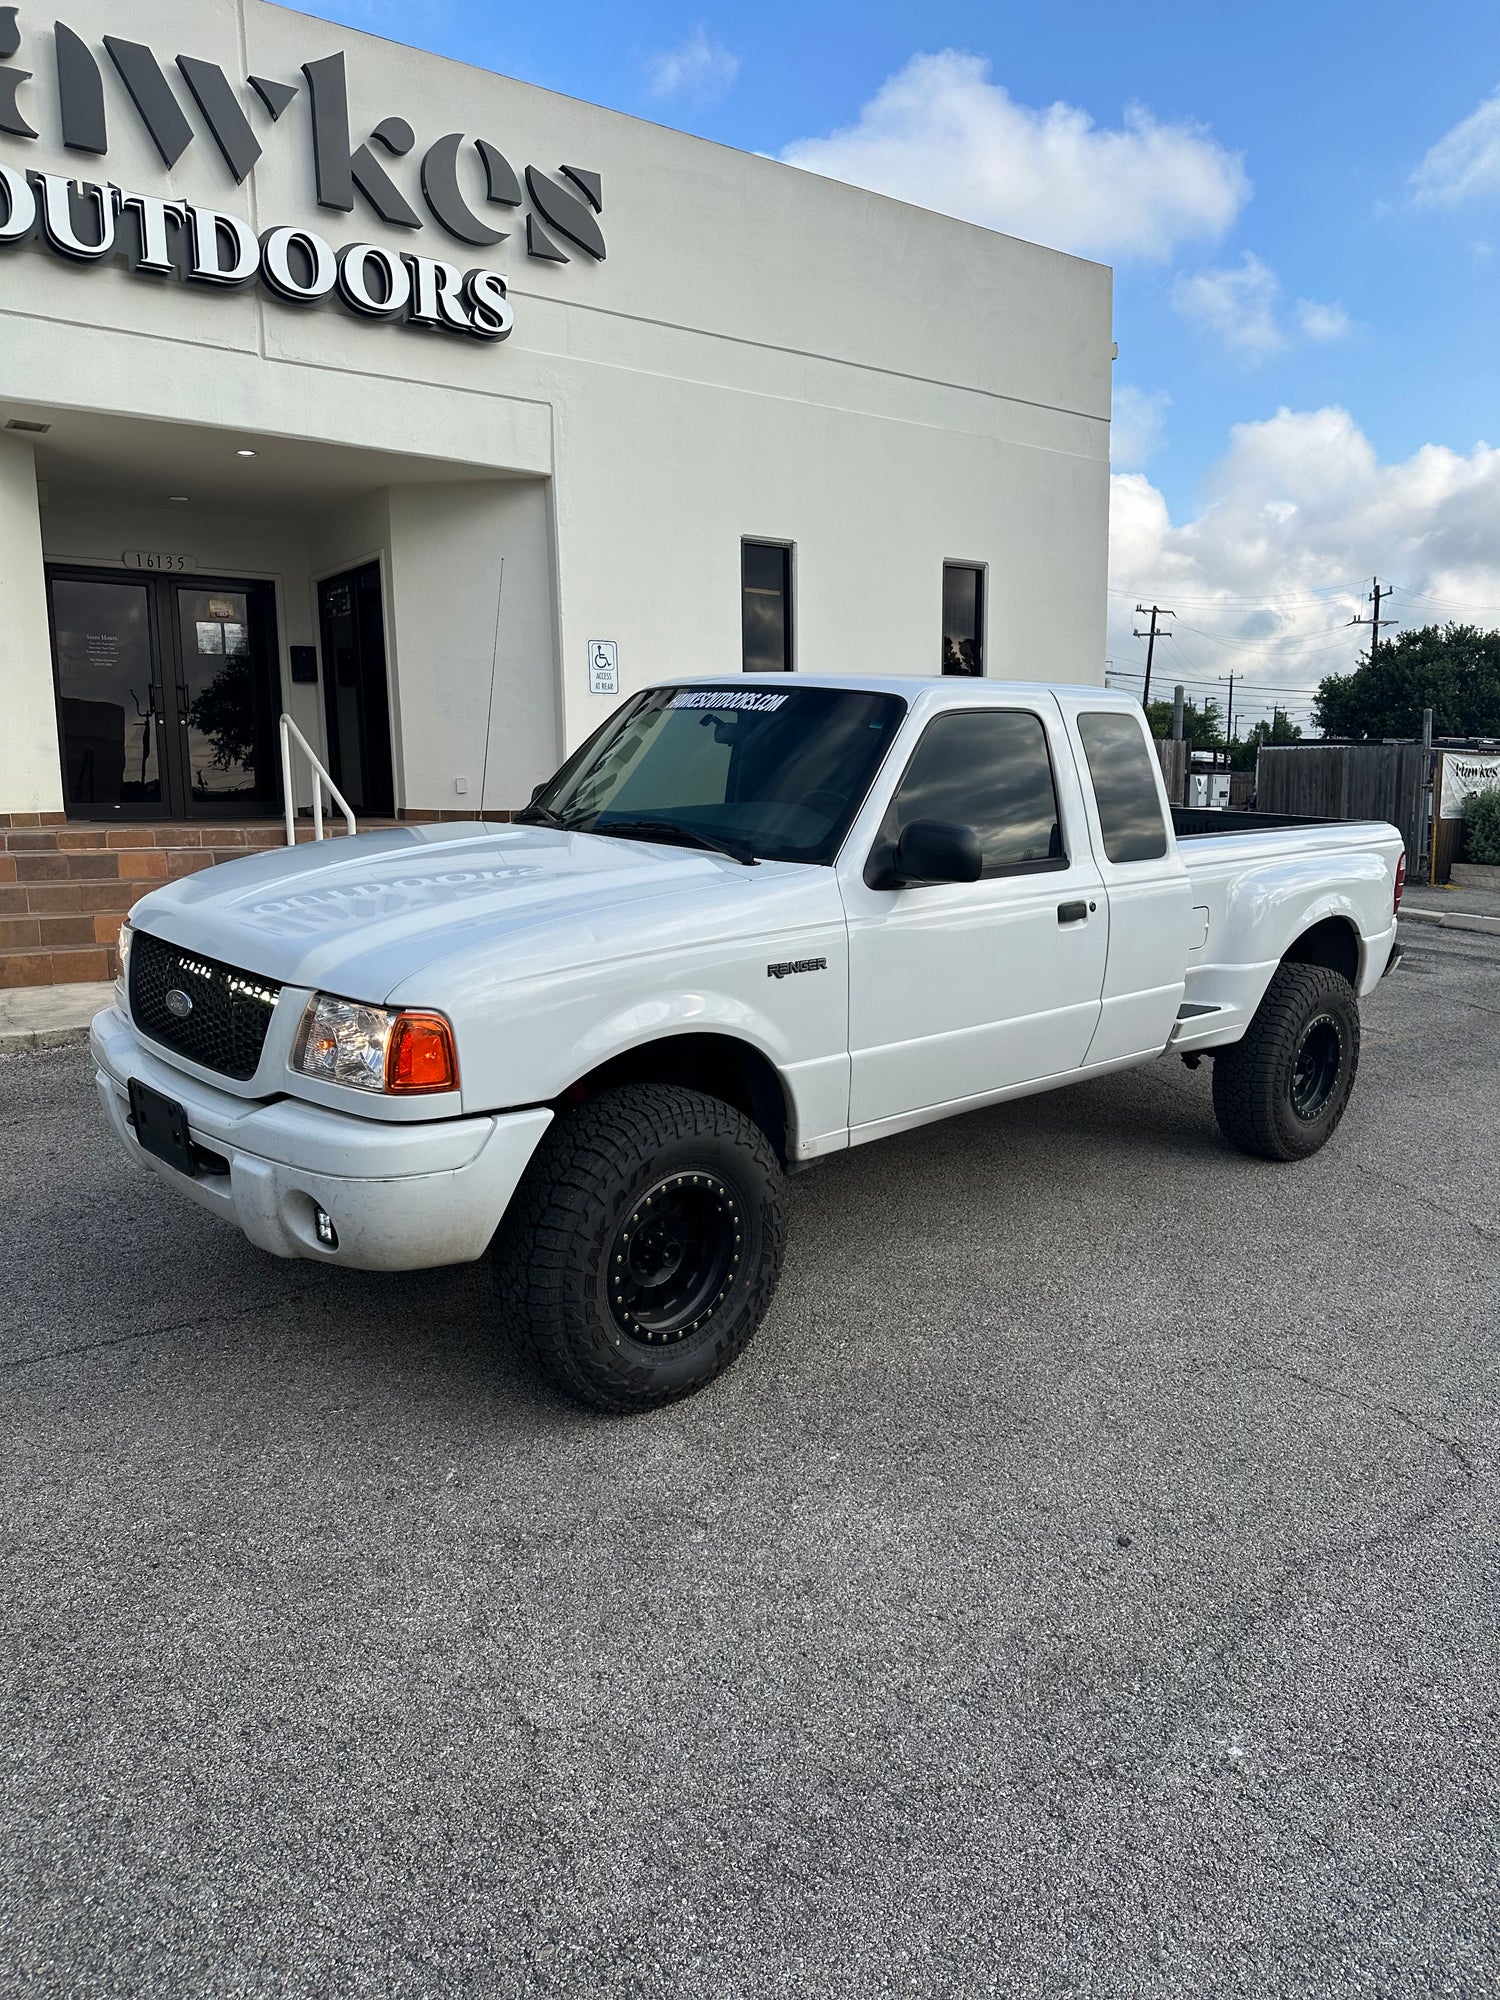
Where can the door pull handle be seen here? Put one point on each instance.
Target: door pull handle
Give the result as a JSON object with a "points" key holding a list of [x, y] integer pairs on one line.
{"points": [[1072, 913]]}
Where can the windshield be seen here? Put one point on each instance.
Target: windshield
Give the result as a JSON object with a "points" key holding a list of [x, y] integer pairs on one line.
{"points": [[779, 774]]}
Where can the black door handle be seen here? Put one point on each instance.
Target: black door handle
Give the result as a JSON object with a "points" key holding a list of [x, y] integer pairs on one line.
{"points": [[1072, 913]]}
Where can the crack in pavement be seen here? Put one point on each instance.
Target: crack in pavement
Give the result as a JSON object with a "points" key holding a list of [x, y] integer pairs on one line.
{"points": [[1221, 1646], [1340, 1393], [1410, 1192], [195, 1325]]}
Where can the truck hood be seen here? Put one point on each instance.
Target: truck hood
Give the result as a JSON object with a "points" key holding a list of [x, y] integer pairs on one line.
{"points": [[367, 916]]}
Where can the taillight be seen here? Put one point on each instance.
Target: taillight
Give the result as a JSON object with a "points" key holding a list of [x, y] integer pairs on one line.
{"points": [[1400, 880], [420, 1054]]}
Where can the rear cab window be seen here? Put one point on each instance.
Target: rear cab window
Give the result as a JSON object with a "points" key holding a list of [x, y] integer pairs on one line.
{"points": [[1123, 772]]}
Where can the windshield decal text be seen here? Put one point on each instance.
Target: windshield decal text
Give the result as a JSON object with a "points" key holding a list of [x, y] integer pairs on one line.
{"points": [[728, 698]]}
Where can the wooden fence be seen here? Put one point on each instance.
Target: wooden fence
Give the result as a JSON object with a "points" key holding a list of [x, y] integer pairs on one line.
{"points": [[1347, 781]]}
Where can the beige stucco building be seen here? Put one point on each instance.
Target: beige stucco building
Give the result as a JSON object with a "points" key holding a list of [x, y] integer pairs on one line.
{"points": [[439, 410]]}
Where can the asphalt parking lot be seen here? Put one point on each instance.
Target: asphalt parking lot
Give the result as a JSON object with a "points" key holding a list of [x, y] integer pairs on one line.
{"points": [[1085, 1586]]}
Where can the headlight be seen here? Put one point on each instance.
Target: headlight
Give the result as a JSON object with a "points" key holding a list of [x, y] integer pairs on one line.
{"points": [[371, 1048]]}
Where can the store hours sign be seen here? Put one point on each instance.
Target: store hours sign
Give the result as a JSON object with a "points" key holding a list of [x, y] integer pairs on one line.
{"points": [[91, 221]]}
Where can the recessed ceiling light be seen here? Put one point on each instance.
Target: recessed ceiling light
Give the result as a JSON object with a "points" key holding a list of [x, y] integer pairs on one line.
{"points": [[177, 499], [244, 452], [23, 424]]}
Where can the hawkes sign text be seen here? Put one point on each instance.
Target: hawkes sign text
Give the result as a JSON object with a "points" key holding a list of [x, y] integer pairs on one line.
{"points": [[89, 221]]}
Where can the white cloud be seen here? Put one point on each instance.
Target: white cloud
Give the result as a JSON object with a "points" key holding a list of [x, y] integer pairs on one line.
{"points": [[1237, 305], [1240, 306], [698, 68], [1295, 518], [1135, 430], [941, 134], [1321, 321], [1464, 163]]}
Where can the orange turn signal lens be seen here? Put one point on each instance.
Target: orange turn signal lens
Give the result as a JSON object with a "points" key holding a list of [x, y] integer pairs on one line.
{"points": [[419, 1055]]}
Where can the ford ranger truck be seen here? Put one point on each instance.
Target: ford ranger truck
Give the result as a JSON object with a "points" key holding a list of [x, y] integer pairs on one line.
{"points": [[749, 923]]}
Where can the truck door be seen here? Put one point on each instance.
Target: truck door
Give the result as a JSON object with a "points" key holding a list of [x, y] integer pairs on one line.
{"points": [[959, 989], [1150, 899]]}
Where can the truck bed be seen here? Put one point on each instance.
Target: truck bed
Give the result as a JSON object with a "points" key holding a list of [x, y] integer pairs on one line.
{"points": [[1202, 822]]}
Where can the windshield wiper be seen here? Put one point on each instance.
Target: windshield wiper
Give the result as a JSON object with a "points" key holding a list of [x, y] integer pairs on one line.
{"points": [[669, 831], [535, 815]]}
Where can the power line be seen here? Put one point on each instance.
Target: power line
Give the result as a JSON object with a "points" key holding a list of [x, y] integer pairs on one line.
{"points": [[1325, 640], [1338, 589], [1213, 681], [1442, 603]]}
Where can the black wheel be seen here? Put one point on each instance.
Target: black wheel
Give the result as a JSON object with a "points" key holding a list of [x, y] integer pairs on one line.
{"points": [[1282, 1090], [642, 1249]]}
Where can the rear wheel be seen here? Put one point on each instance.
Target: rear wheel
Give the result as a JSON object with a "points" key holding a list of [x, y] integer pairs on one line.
{"points": [[1281, 1092], [642, 1250]]}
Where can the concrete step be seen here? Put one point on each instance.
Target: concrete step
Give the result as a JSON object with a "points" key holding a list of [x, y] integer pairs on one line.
{"points": [[83, 838], [64, 889]]}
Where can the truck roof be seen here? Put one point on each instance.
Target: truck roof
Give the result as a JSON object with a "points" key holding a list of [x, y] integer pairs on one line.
{"points": [[963, 690]]}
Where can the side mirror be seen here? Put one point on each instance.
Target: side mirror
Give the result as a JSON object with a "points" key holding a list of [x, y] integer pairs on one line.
{"points": [[932, 850], [537, 790]]}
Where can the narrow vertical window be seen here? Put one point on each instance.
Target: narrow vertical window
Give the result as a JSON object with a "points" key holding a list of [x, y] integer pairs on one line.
{"points": [[766, 606], [963, 618]]}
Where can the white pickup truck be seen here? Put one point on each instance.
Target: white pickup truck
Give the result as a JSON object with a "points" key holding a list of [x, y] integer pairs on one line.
{"points": [[750, 922]]}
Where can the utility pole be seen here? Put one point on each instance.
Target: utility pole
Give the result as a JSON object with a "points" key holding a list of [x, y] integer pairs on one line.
{"points": [[1377, 595], [1229, 723], [1157, 611]]}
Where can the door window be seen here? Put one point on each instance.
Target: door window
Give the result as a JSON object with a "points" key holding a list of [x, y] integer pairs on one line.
{"points": [[230, 725], [1125, 788], [989, 770], [107, 691]]}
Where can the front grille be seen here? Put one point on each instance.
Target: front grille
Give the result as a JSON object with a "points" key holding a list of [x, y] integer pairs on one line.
{"points": [[225, 1028]]}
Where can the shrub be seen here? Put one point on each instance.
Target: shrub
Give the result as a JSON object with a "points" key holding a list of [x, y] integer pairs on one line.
{"points": [[1482, 827]]}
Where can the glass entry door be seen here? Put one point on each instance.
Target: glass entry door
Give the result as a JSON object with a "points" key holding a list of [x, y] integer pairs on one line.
{"points": [[351, 625], [168, 693]]}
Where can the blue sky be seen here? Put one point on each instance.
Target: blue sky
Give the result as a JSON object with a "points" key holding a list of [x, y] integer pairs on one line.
{"points": [[1302, 207]]}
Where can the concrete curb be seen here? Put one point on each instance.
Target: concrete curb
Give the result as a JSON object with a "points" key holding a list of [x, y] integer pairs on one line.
{"points": [[49, 1017], [1452, 920], [15, 1040]]}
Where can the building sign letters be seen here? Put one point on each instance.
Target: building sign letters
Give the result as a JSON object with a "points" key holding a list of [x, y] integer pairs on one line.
{"points": [[89, 221]]}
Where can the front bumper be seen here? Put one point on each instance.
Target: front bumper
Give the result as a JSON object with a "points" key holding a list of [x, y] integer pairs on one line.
{"points": [[403, 1197]]}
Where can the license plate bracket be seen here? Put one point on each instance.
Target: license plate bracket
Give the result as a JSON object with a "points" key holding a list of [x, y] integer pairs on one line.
{"points": [[161, 1126]]}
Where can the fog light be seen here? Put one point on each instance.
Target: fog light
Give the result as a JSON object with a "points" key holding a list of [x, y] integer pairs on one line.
{"points": [[328, 1236]]}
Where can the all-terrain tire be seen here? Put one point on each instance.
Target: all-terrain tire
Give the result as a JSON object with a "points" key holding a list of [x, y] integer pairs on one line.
{"points": [[583, 1261], [1281, 1092]]}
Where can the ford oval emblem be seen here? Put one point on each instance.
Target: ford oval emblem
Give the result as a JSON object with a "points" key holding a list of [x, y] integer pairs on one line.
{"points": [[179, 1003]]}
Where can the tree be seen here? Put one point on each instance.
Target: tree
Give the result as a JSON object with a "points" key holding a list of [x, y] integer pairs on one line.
{"points": [[1203, 727], [1454, 670], [1245, 749]]}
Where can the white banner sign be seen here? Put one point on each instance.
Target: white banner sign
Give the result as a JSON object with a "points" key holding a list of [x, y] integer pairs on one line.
{"points": [[1466, 772]]}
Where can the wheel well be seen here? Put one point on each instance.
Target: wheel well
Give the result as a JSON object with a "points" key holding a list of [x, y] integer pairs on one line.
{"points": [[718, 1065], [1334, 943]]}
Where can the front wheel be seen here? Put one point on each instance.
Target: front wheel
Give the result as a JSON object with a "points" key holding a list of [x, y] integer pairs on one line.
{"points": [[642, 1249], [1281, 1092]]}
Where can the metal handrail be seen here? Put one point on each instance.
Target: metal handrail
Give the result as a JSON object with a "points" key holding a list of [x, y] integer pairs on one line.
{"points": [[320, 778]]}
